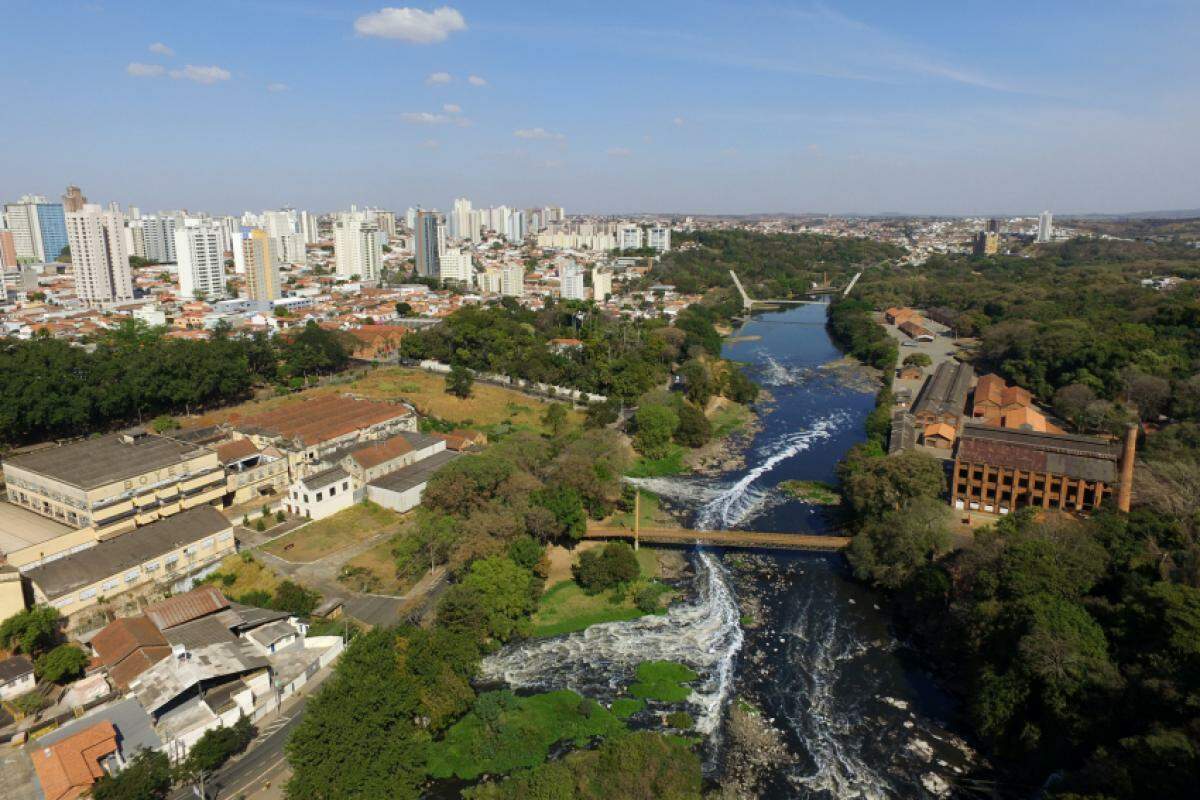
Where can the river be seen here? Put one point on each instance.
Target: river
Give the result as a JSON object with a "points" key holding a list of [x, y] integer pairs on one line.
{"points": [[858, 718]]}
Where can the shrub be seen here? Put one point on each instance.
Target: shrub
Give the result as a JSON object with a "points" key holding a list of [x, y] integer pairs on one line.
{"points": [[646, 599], [606, 568], [63, 664], [30, 703], [681, 720]]}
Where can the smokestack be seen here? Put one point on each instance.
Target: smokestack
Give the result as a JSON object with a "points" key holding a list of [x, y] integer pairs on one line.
{"points": [[1125, 490]]}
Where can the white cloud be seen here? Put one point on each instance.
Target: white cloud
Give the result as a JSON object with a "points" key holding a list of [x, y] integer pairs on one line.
{"points": [[678, 122], [438, 77], [411, 24], [424, 118], [138, 70], [536, 133], [204, 75], [158, 48], [277, 87], [475, 80], [619, 152], [452, 108], [431, 144]]}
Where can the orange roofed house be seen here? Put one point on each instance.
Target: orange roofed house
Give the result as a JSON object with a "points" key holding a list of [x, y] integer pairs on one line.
{"points": [[998, 403], [69, 768], [311, 429]]}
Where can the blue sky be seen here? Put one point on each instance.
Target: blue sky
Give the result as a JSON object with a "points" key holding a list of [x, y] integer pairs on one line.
{"points": [[706, 107]]}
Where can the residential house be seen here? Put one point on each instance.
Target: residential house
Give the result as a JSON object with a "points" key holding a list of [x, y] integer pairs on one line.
{"points": [[16, 677], [322, 494]]}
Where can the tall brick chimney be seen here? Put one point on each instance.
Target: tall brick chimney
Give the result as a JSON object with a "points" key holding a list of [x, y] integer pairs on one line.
{"points": [[1125, 490]]}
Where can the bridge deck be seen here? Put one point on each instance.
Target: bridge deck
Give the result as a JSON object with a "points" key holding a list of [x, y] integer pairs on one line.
{"points": [[682, 536]]}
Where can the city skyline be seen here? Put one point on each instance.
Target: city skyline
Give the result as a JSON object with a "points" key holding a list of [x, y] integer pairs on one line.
{"points": [[852, 107]]}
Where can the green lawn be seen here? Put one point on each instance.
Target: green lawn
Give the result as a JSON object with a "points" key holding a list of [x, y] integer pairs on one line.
{"points": [[504, 732], [670, 464], [651, 513], [565, 607], [318, 539], [663, 680], [729, 418]]}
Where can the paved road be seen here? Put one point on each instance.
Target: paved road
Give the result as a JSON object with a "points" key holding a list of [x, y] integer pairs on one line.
{"points": [[260, 764]]}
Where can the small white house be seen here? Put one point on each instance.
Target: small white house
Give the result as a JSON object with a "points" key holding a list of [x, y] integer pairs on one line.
{"points": [[401, 490], [322, 494], [16, 677]]}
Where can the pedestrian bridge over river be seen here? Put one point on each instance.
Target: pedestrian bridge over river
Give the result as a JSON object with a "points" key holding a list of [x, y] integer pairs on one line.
{"points": [[748, 539]]}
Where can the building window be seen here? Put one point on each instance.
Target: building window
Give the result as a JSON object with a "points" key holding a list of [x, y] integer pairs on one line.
{"points": [[345, 485], [131, 576], [332, 491], [87, 594], [306, 498], [319, 496]]}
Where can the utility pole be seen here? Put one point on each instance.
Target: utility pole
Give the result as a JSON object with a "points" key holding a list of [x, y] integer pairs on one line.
{"points": [[637, 516]]}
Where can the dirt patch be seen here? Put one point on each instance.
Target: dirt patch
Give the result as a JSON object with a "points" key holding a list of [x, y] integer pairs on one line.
{"points": [[561, 558]]}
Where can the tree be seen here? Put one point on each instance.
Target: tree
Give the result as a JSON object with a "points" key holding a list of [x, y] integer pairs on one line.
{"points": [[656, 425], [555, 418], [294, 598], [1071, 402], [459, 381], [917, 360], [601, 415], [64, 255], [146, 777], [359, 737], [890, 550], [874, 485], [697, 382], [606, 567], [61, 665], [694, 429], [32, 631], [164, 423], [216, 746], [567, 507], [403, 309], [508, 594]]}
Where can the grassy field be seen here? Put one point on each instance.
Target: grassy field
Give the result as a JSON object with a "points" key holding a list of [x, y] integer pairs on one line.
{"points": [[380, 563], [728, 418], [670, 464], [565, 607], [651, 513], [318, 539], [242, 573], [487, 407], [506, 732]]}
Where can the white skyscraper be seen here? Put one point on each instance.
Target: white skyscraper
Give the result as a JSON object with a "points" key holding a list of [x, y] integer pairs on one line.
{"points": [[571, 281], [512, 280], [601, 285], [291, 248], [98, 255], [159, 232], [460, 219], [629, 237], [308, 227], [200, 258], [491, 280], [278, 224], [659, 238], [357, 248], [455, 264], [1045, 227], [514, 226]]}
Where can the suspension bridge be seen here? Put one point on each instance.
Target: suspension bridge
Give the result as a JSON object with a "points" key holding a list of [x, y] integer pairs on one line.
{"points": [[749, 302]]}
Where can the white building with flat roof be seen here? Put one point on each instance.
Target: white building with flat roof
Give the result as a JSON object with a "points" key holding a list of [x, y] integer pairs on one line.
{"points": [[201, 259]]}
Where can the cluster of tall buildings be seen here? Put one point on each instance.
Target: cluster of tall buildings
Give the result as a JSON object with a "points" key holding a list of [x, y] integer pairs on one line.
{"points": [[599, 236]]}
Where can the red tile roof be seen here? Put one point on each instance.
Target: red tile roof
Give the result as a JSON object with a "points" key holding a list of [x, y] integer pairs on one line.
{"points": [[323, 418], [377, 454], [122, 636], [235, 450], [67, 769], [199, 602]]}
